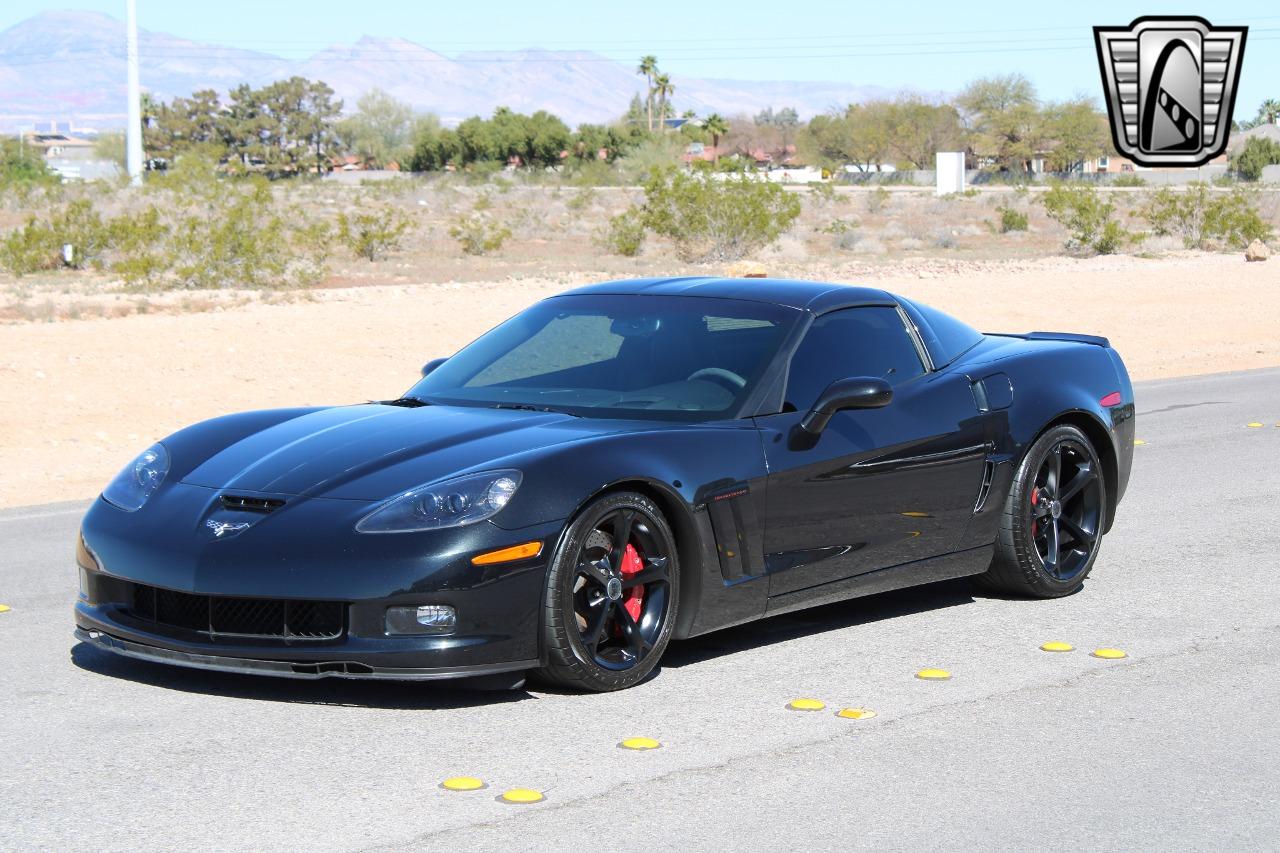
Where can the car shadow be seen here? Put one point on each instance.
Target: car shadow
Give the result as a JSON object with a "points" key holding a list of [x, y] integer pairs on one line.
{"points": [[819, 620], [387, 695]]}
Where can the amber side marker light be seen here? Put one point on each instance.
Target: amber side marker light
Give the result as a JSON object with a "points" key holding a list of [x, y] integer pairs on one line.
{"points": [[506, 555]]}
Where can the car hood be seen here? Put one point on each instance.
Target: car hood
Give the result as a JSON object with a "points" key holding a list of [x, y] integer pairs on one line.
{"points": [[372, 452]]}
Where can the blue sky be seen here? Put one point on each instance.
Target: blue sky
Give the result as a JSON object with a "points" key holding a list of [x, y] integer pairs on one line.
{"points": [[928, 46]]}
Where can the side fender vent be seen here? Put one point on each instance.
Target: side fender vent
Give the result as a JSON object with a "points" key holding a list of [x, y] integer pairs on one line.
{"points": [[988, 474]]}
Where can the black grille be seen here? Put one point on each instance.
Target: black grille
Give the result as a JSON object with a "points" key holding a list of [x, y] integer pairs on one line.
{"points": [[239, 617]]}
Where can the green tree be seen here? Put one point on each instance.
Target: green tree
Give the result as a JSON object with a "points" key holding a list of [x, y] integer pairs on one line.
{"points": [[664, 89], [715, 125], [1003, 119], [1258, 153], [918, 130], [1074, 131], [382, 130], [648, 68], [863, 135], [1269, 111]]}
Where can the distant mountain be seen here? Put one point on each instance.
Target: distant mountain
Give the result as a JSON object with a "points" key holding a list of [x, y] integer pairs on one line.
{"points": [[60, 66]]}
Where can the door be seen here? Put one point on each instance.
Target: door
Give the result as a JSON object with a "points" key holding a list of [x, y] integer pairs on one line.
{"points": [[879, 487]]}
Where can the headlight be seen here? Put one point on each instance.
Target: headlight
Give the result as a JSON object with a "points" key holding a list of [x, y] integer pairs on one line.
{"points": [[132, 486], [450, 503]]}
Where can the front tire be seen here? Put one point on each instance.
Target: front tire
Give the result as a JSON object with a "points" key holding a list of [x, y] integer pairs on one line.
{"points": [[1051, 528], [611, 595]]}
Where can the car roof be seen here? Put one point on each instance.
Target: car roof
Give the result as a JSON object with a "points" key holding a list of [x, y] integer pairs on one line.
{"points": [[815, 296]]}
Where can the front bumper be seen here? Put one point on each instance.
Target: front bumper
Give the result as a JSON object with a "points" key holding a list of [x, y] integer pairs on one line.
{"points": [[286, 669], [309, 552]]}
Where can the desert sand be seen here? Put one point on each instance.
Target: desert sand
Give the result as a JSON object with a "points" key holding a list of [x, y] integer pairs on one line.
{"points": [[79, 398]]}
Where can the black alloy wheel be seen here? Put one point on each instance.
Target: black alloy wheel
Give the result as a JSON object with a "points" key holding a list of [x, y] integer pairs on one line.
{"points": [[1051, 528], [1066, 509], [611, 596]]}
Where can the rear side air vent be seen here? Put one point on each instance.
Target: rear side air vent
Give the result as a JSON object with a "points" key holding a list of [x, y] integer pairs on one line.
{"points": [[251, 504]]}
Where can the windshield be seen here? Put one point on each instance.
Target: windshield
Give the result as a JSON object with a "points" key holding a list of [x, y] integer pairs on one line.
{"points": [[618, 356]]}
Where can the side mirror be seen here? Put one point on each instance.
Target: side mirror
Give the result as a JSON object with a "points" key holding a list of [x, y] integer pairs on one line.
{"points": [[865, 392], [432, 365]]}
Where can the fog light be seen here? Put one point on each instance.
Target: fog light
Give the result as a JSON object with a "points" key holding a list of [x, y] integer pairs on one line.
{"points": [[424, 619]]}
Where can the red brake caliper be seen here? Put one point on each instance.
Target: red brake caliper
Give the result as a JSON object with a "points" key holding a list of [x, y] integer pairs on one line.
{"points": [[1035, 526], [633, 599]]}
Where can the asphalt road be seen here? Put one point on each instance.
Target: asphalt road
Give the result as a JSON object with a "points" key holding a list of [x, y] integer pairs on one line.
{"points": [[1171, 748]]}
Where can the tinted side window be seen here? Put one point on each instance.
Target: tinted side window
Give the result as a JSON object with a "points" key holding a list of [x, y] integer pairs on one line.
{"points": [[945, 337], [869, 341]]}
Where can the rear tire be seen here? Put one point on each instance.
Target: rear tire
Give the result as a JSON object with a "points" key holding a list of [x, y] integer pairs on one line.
{"points": [[1051, 528], [611, 596]]}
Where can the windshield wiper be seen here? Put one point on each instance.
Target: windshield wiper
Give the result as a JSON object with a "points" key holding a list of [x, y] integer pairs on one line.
{"points": [[531, 407]]}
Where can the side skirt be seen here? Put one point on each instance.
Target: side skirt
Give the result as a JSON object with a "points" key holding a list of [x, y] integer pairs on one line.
{"points": [[960, 564]]}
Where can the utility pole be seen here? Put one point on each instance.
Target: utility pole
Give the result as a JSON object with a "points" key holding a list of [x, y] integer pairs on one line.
{"points": [[133, 132]]}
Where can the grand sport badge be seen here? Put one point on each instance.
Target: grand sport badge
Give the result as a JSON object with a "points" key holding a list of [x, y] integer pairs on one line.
{"points": [[1171, 86]]}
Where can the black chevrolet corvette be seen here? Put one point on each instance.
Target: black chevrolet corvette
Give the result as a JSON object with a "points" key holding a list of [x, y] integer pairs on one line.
{"points": [[615, 467]]}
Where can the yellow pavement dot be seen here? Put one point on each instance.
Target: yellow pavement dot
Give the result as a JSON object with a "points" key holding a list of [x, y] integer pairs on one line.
{"points": [[855, 713], [640, 743], [1056, 647], [806, 705], [917, 515], [1108, 654], [1254, 424], [462, 783], [521, 796], [933, 675], [4, 608], [1137, 442]]}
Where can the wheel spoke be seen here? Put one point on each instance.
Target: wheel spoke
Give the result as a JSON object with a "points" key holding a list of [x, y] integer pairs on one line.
{"points": [[631, 633], [654, 572], [595, 629], [1052, 541], [621, 536], [1083, 477], [1082, 536], [595, 570], [1054, 475]]}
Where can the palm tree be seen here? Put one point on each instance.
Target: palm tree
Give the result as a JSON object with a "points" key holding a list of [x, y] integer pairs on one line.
{"points": [[715, 125], [664, 89], [649, 68], [1269, 110]]}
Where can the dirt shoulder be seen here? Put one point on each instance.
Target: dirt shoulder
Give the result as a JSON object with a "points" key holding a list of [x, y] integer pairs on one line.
{"points": [[79, 398]]}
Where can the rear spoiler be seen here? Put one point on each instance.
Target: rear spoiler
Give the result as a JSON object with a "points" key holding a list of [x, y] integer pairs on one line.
{"points": [[1056, 336]]}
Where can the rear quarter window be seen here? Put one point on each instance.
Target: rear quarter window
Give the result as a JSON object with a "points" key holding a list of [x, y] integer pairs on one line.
{"points": [[945, 337]]}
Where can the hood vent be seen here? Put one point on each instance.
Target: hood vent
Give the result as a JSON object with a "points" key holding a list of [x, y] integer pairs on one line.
{"points": [[251, 504]]}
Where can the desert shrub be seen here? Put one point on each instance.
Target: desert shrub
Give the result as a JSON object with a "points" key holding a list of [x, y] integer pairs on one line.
{"points": [[373, 234], [1087, 217], [30, 248], [823, 191], [1258, 153], [38, 245], [1012, 220], [79, 226], [624, 235], [478, 234], [1203, 218], [240, 241], [581, 200], [137, 242], [712, 217], [1129, 180], [483, 202], [876, 199]]}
